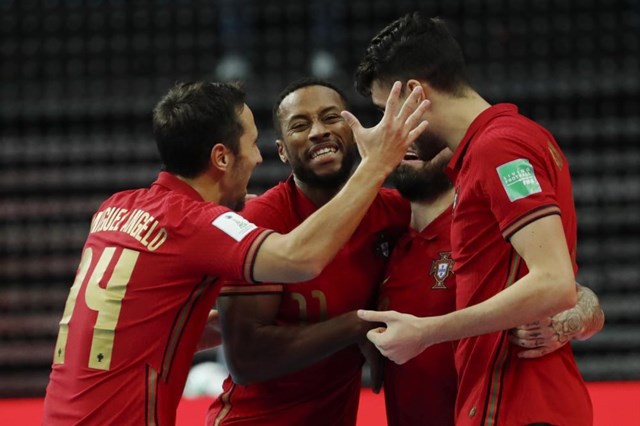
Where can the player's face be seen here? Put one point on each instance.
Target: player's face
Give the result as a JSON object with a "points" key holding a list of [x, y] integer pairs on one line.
{"points": [[316, 141], [420, 176], [429, 142], [243, 163]]}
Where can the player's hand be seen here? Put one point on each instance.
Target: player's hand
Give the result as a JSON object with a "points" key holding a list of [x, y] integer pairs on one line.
{"points": [[542, 337], [211, 335], [375, 360], [402, 339], [385, 144]]}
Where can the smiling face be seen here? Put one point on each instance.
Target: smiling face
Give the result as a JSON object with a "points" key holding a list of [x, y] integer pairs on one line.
{"points": [[316, 141]]}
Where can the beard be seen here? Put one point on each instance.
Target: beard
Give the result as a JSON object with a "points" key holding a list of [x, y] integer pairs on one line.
{"points": [[421, 184], [429, 181], [330, 181]]}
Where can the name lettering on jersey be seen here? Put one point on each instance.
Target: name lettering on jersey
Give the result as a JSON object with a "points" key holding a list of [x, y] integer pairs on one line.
{"points": [[441, 268], [518, 179], [234, 225], [137, 223]]}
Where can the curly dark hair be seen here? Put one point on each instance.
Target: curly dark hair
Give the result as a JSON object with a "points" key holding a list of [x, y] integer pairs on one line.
{"points": [[413, 46]]}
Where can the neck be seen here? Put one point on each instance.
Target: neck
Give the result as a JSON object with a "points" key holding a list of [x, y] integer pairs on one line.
{"points": [[457, 114], [319, 196], [208, 188], [425, 212]]}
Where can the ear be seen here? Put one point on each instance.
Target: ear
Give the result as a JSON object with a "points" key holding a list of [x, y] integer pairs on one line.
{"points": [[282, 152], [221, 157], [413, 83]]}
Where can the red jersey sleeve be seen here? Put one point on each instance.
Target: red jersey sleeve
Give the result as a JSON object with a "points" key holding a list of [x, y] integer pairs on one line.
{"points": [[224, 244], [515, 175], [258, 211]]}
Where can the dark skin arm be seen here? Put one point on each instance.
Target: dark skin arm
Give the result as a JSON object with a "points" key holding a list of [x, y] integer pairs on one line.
{"points": [[253, 340]]}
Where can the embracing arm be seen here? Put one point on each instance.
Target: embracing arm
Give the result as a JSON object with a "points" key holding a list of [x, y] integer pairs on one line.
{"points": [[548, 288], [546, 335], [258, 349]]}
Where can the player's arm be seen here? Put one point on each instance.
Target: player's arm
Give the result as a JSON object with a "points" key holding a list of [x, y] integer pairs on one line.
{"points": [[548, 288], [551, 333], [257, 349], [211, 335], [302, 254]]}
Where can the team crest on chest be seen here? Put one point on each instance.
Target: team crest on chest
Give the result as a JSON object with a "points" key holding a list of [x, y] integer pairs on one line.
{"points": [[441, 268]]}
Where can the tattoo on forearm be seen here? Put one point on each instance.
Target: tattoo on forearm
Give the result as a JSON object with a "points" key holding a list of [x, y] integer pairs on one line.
{"points": [[582, 321], [593, 316]]}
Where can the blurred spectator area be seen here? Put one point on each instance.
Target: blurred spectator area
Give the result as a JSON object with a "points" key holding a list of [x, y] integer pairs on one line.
{"points": [[79, 79]]}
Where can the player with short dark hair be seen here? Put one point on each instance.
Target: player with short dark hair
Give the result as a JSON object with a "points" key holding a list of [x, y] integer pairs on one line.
{"points": [[513, 236], [153, 258], [420, 281], [293, 350]]}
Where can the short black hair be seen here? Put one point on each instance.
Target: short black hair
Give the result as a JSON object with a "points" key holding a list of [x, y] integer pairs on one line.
{"points": [[299, 84], [191, 118], [413, 46]]}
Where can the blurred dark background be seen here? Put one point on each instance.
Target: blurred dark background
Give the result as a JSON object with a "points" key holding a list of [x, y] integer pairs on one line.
{"points": [[79, 79]]}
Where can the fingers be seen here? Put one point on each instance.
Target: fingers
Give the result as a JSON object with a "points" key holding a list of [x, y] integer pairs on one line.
{"points": [[527, 343], [376, 336], [213, 315], [351, 120], [393, 100], [410, 104], [417, 131], [375, 316]]}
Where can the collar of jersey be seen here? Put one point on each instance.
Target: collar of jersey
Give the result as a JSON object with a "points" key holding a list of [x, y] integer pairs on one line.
{"points": [[478, 124], [172, 183]]}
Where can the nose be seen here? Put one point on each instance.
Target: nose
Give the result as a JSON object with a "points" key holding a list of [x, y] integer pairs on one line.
{"points": [[258, 156], [319, 131]]}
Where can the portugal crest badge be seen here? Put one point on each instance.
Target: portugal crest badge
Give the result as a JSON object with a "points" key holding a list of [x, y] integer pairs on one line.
{"points": [[441, 268]]}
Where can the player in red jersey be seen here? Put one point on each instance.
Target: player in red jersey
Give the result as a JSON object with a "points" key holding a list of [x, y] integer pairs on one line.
{"points": [[513, 237], [153, 257], [420, 281], [292, 350]]}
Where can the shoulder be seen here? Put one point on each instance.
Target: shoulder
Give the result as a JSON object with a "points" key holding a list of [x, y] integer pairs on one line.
{"points": [[389, 209]]}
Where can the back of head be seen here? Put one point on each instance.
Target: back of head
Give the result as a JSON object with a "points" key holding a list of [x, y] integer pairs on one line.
{"points": [[413, 46], [193, 117], [297, 85]]}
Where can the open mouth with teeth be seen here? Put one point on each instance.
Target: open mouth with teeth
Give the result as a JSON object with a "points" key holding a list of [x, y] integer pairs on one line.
{"points": [[325, 150], [411, 155]]}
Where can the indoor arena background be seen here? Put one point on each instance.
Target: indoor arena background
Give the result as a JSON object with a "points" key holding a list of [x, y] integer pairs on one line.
{"points": [[79, 79]]}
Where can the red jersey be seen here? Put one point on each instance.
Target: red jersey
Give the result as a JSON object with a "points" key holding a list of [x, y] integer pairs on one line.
{"points": [[420, 282], [148, 268], [508, 172], [326, 393]]}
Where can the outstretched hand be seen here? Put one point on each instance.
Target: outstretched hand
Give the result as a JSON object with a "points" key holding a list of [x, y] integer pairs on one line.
{"points": [[386, 143], [401, 339]]}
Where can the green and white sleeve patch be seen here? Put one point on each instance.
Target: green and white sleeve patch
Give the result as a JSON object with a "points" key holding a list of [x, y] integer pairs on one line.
{"points": [[518, 179]]}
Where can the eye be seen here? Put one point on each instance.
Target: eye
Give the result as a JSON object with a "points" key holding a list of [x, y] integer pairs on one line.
{"points": [[333, 118], [298, 126]]}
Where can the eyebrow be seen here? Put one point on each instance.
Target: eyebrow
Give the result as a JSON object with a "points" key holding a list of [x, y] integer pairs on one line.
{"points": [[322, 111]]}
